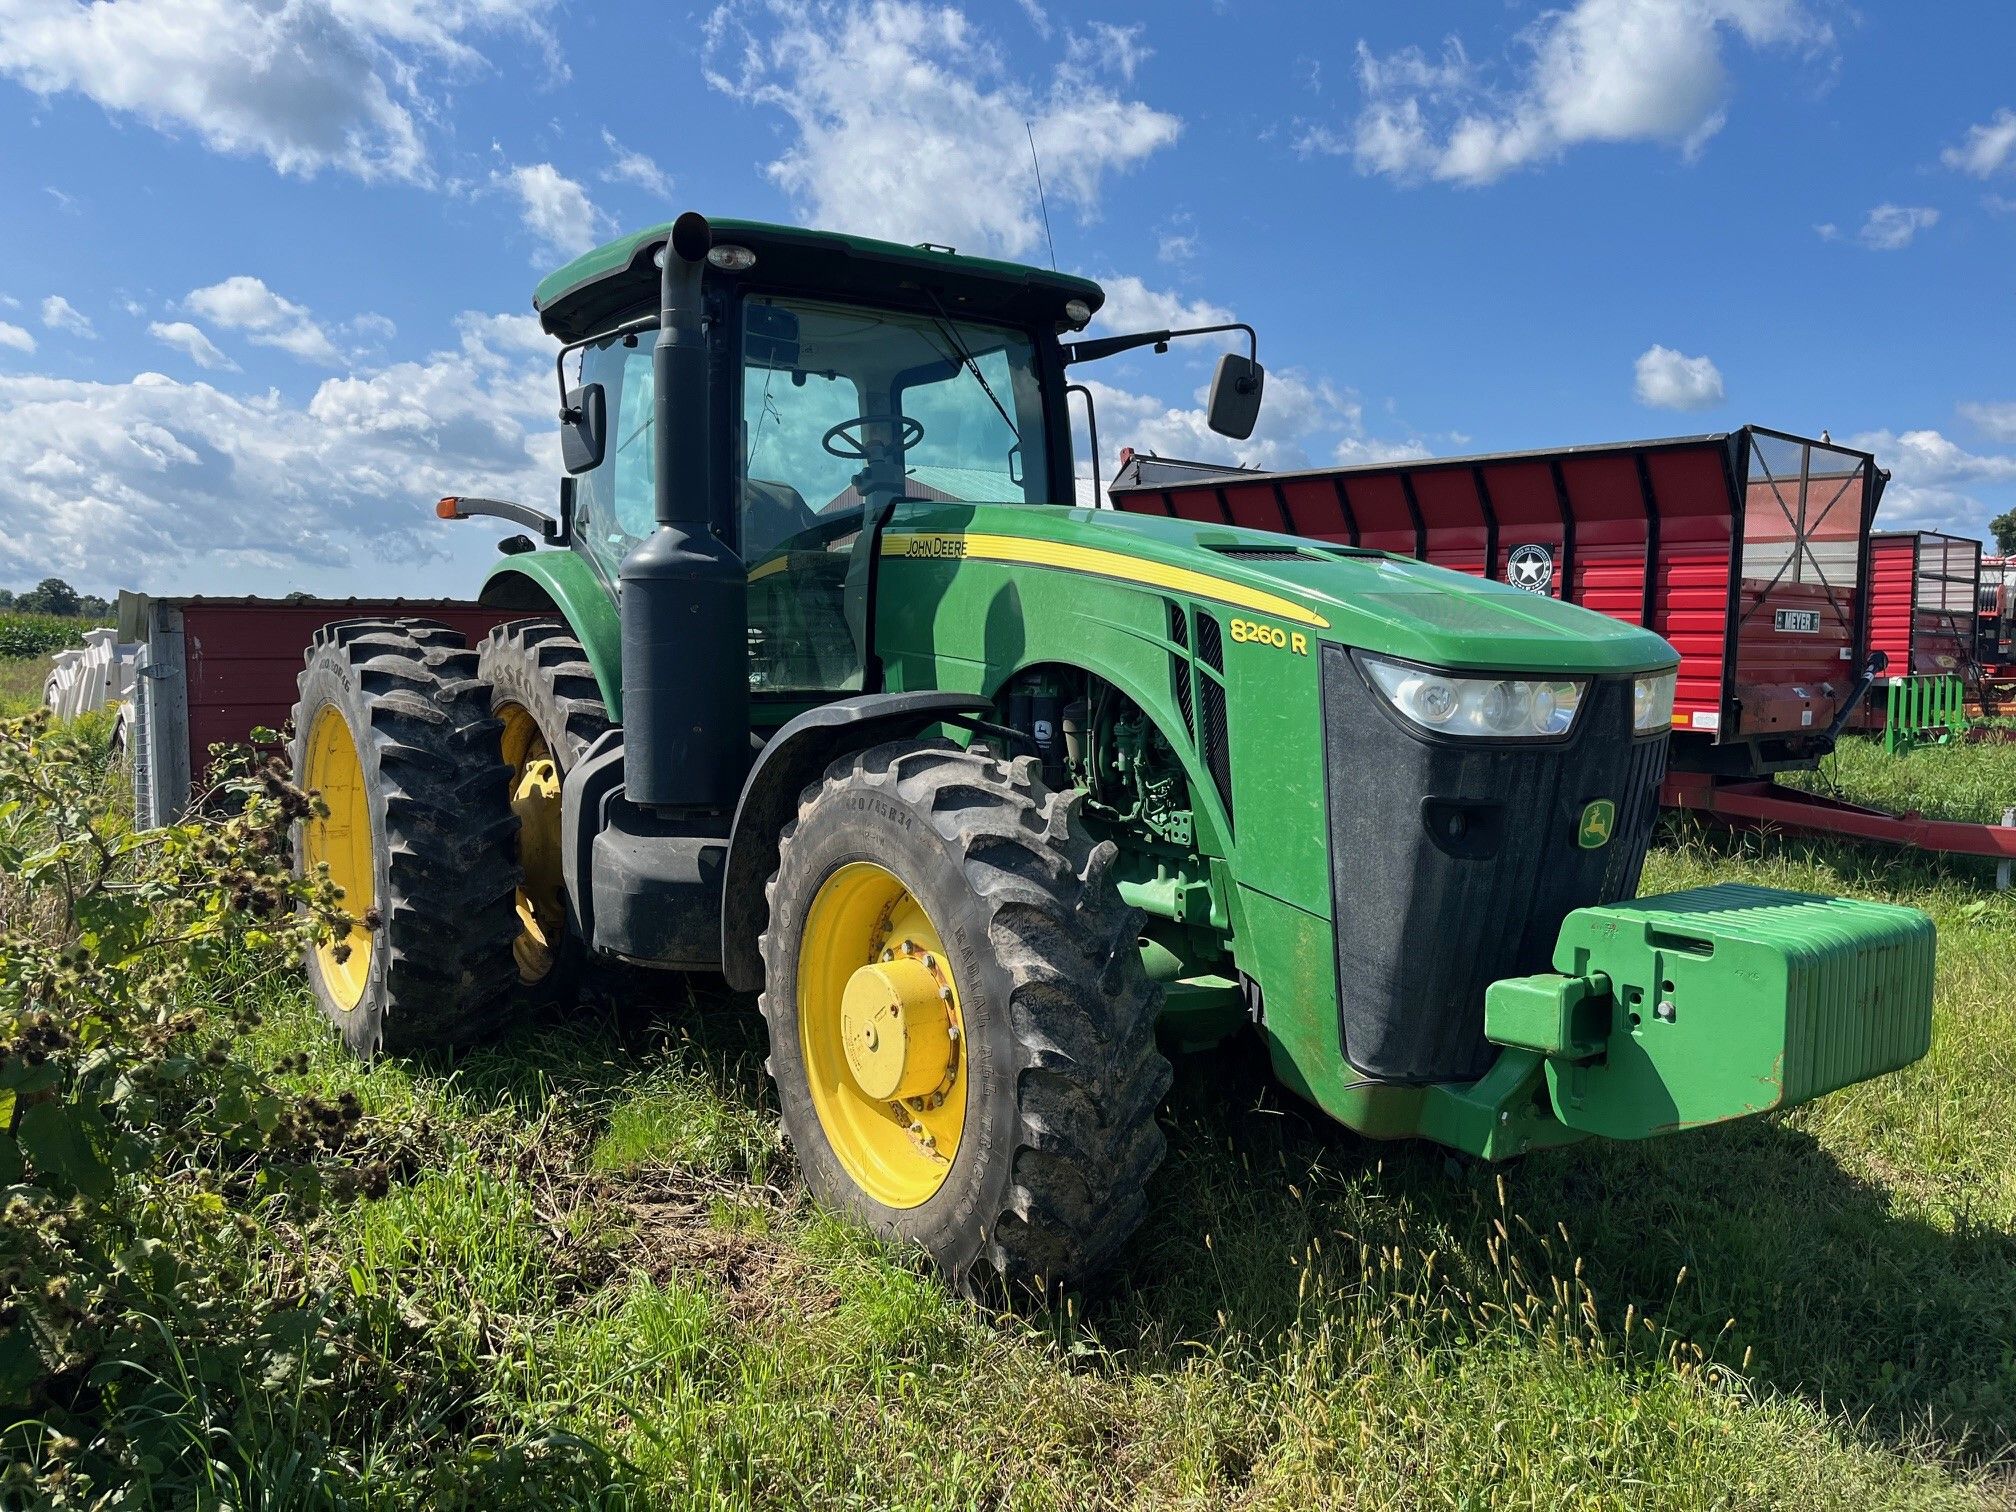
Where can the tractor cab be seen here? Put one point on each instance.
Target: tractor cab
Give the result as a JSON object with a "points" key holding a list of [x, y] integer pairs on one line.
{"points": [[845, 377]]}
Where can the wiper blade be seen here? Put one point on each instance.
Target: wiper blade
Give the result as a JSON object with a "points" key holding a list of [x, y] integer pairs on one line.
{"points": [[945, 327]]}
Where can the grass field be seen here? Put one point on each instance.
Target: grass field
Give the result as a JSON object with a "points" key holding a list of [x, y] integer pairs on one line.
{"points": [[598, 1237]]}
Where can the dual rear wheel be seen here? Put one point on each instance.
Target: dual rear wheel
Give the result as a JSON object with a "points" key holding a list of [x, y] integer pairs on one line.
{"points": [[961, 1035], [440, 767]]}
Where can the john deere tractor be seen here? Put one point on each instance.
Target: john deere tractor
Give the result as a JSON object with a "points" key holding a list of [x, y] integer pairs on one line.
{"points": [[817, 679]]}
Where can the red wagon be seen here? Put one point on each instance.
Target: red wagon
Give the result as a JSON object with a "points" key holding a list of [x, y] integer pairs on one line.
{"points": [[212, 670], [1924, 587], [1746, 550]]}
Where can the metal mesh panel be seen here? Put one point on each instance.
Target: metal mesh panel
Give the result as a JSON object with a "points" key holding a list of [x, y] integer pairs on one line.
{"points": [[1802, 517]]}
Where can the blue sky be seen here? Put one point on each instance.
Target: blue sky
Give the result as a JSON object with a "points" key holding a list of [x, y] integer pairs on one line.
{"points": [[265, 269]]}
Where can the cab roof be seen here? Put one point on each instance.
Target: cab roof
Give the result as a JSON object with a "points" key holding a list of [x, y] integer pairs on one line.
{"points": [[601, 287]]}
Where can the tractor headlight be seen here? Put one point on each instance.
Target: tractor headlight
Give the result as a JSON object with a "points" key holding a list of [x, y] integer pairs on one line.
{"points": [[1652, 702], [1484, 708]]}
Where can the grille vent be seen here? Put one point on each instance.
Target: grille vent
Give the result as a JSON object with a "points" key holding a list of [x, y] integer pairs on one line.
{"points": [[1179, 669], [1211, 694], [1209, 644]]}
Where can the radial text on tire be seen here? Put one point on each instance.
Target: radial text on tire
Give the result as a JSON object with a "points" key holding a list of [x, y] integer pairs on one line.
{"points": [[961, 1035]]}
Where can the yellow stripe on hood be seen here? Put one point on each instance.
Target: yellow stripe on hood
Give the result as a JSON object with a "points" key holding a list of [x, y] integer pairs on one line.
{"points": [[1117, 565]]}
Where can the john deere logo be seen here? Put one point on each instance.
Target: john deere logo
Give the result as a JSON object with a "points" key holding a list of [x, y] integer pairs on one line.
{"points": [[1599, 821], [1530, 567]]}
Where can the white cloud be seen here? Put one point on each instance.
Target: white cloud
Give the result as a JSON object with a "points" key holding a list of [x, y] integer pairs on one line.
{"points": [[1132, 306], [190, 341], [1995, 420], [630, 167], [1987, 149], [1104, 47], [203, 485], [1038, 17], [1890, 228], [1598, 71], [1667, 379], [1934, 481], [244, 303], [908, 125], [305, 84], [556, 210], [371, 327], [13, 336], [1827, 231], [60, 315]]}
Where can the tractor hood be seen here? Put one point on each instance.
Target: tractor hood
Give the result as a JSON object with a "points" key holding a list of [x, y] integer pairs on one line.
{"points": [[1368, 599]]}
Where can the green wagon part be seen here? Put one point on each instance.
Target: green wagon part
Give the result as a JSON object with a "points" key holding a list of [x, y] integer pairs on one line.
{"points": [[1924, 710]]}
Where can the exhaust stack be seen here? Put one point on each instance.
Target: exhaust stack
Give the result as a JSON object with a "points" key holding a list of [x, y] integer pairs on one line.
{"points": [[684, 593]]}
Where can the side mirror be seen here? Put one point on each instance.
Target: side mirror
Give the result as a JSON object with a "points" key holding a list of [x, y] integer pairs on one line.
{"points": [[1235, 396], [584, 429]]}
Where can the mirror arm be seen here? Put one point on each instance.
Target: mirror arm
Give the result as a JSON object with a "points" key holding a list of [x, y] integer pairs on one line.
{"points": [[567, 412], [1108, 346], [456, 507]]}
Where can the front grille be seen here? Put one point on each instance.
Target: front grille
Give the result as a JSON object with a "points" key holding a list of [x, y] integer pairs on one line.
{"points": [[1453, 865], [1264, 553]]}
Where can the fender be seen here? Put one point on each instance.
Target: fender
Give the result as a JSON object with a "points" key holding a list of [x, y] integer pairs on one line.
{"points": [[563, 581], [791, 762]]}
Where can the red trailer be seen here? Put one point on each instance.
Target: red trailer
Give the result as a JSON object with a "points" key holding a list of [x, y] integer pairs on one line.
{"points": [[1923, 590], [212, 670], [1744, 549], [1995, 633]]}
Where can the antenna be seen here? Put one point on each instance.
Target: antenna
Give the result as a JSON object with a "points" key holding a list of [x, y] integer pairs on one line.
{"points": [[1038, 166]]}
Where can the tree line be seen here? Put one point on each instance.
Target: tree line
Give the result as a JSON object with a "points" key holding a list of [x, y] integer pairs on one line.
{"points": [[54, 596]]}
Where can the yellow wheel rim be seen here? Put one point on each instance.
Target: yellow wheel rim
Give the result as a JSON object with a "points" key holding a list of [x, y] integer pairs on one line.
{"points": [[880, 1032], [342, 842], [535, 799]]}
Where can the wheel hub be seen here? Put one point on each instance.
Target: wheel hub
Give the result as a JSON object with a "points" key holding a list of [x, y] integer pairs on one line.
{"points": [[894, 1027], [535, 799]]}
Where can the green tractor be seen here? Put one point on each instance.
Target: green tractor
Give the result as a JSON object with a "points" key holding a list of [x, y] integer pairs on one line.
{"points": [[813, 682]]}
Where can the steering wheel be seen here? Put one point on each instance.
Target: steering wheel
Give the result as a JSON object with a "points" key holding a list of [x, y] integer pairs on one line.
{"points": [[840, 440]]}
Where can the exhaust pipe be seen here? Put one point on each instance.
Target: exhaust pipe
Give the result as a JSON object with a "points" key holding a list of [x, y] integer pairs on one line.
{"points": [[684, 593]]}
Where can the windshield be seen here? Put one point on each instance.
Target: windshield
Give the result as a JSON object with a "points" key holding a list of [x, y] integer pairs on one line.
{"points": [[843, 405]]}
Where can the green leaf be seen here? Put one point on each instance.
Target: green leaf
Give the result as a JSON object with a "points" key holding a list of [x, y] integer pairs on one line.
{"points": [[51, 1136]]}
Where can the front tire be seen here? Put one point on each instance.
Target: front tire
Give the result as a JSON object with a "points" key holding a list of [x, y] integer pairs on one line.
{"points": [[961, 1034], [393, 730]]}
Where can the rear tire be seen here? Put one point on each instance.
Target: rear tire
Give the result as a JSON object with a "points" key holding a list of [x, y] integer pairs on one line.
{"points": [[544, 694], [393, 727], [1055, 1061]]}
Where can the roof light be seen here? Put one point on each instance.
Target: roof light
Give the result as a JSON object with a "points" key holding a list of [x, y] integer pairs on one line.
{"points": [[449, 509], [1078, 313], [731, 259]]}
